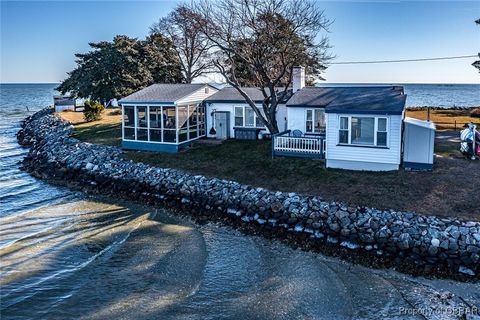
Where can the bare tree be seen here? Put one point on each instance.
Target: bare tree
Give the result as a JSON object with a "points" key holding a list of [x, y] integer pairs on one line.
{"points": [[191, 45], [476, 64], [265, 39]]}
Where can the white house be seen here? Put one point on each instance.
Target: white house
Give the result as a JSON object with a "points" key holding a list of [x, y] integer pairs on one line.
{"points": [[164, 117], [231, 117], [356, 127], [362, 126]]}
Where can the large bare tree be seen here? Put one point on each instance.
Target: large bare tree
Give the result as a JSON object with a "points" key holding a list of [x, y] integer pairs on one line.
{"points": [[263, 40], [476, 64], [191, 45]]}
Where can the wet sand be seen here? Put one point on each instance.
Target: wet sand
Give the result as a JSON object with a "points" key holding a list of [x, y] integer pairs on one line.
{"points": [[97, 259]]}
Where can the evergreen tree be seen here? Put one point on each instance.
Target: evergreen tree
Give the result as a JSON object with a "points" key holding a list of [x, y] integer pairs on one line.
{"points": [[118, 68]]}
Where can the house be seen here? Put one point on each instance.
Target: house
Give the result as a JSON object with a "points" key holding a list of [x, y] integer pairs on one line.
{"points": [[164, 117], [361, 126], [355, 127], [63, 103], [230, 116]]}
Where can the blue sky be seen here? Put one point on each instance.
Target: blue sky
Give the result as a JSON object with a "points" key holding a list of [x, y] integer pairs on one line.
{"points": [[39, 39]]}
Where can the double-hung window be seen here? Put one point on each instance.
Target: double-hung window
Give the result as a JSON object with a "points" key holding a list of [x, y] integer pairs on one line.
{"points": [[238, 116], [363, 131], [382, 132], [246, 117], [314, 121]]}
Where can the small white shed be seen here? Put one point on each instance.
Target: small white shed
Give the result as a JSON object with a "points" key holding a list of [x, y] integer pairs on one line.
{"points": [[418, 144], [64, 103]]}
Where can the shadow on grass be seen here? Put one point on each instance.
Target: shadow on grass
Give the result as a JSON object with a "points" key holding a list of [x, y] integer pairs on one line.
{"points": [[101, 133]]}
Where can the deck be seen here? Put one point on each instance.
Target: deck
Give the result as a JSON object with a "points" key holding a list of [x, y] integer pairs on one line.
{"points": [[284, 144]]}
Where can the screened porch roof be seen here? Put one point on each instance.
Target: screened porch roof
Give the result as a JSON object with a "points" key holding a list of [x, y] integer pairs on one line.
{"points": [[164, 93]]}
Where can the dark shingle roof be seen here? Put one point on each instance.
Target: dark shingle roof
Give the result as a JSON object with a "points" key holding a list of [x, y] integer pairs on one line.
{"points": [[230, 94], [361, 100], [163, 92]]}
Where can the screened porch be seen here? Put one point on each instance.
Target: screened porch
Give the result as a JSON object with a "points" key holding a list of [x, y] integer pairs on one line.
{"points": [[162, 124]]}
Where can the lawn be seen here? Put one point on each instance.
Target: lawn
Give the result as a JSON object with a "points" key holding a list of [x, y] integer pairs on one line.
{"points": [[447, 119], [448, 190]]}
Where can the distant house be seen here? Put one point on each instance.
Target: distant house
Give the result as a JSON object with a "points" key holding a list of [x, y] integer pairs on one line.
{"points": [[355, 127], [164, 117], [63, 103]]}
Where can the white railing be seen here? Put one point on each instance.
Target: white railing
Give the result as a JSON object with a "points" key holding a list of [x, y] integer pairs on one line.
{"points": [[298, 145]]}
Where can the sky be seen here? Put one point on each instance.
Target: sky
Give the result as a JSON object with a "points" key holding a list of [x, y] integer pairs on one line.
{"points": [[39, 38]]}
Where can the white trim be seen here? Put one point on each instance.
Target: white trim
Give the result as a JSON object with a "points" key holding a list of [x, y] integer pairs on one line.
{"points": [[173, 143], [313, 119], [135, 117], [144, 104], [147, 114], [244, 118], [123, 123], [375, 128]]}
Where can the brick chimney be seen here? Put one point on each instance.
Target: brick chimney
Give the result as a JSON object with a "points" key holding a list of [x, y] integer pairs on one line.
{"points": [[298, 78]]}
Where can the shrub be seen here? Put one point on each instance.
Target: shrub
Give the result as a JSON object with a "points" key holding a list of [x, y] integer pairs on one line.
{"points": [[475, 113], [116, 112], [92, 110]]}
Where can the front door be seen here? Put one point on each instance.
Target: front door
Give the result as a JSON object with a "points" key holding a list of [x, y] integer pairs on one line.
{"points": [[222, 125]]}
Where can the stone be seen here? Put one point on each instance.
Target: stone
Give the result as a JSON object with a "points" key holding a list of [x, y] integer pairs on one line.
{"points": [[334, 227], [444, 244], [473, 249], [466, 271], [403, 235], [432, 250]]}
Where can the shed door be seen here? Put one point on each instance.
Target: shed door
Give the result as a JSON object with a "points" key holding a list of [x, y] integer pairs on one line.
{"points": [[222, 125]]}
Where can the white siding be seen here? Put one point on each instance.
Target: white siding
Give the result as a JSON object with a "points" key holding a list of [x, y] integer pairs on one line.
{"points": [[64, 108], [281, 114], [197, 96], [363, 157], [296, 119], [418, 144]]}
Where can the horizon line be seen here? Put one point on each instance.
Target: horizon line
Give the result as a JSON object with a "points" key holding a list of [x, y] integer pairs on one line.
{"points": [[321, 82]]}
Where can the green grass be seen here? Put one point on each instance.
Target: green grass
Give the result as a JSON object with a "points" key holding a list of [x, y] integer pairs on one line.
{"points": [[441, 192], [100, 133]]}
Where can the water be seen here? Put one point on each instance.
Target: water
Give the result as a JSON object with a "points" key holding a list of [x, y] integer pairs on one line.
{"points": [[65, 255]]}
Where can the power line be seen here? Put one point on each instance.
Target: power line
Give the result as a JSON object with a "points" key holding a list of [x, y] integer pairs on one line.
{"points": [[404, 60]]}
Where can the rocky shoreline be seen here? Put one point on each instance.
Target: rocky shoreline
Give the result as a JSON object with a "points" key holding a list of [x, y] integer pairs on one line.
{"points": [[409, 242]]}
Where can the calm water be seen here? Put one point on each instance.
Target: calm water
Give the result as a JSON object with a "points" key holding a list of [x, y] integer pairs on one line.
{"points": [[64, 255]]}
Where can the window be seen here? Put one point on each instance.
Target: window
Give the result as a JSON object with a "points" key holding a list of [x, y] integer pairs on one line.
{"points": [[364, 131], [314, 121], [246, 117], [129, 123], [239, 116], [258, 122], [343, 132], [382, 132], [142, 117], [309, 121], [129, 116], [249, 117]]}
